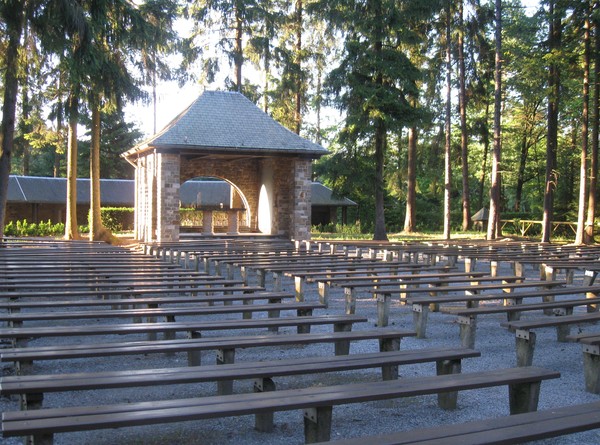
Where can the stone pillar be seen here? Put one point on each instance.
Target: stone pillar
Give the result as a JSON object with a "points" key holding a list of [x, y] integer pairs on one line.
{"points": [[168, 174], [302, 197], [137, 201]]}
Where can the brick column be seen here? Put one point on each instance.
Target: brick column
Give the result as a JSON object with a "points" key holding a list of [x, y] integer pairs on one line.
{"points": [[302, 197], [168, 174]]}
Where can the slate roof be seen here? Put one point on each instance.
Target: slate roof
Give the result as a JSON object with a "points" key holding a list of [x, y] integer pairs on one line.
{"points": [[34, 189], [481, 215], [225, 122], [323, 196], [121, 192]]}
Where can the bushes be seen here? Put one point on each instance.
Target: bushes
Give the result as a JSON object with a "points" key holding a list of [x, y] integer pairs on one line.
{"points": [[117, 219], [23, 228], [114, 219]]}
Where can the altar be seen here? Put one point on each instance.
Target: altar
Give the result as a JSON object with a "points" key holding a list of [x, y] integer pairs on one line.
{"points": [[208, 223]]}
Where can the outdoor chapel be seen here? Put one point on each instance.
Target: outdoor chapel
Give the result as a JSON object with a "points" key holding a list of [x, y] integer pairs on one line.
{"points": [[224, 135]]}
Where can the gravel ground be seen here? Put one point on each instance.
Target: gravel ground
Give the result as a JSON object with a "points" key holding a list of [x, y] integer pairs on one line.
{"points": [[356, 420]]}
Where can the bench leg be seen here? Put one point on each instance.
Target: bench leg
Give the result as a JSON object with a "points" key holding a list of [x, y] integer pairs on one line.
{"points": [[589, 277], [194, 356], [434, 307], [389, 372], [591, 368], [420, 313], [448, 400], [317, 424], [24, 367], [468, 328], [39, 439], [31, 400], [524, 397], [263, 422], [260, 277], [244, 275], [247, 315], [225, 356], [298, 288], [350, 300], [277, 281], [563, 331], [323, 293], [525, 344], [342, 347], [383, 309]]}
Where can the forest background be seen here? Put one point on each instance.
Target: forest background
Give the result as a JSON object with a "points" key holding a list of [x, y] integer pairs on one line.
{"points": [[441, 107]]}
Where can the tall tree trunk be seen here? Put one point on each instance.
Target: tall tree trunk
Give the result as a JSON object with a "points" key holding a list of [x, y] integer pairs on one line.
{"points": [[380, 140], [318, 102], [581, 213], [238, 55], [380, 145], [267, 66], [410, 222], [25, 108], [97, 230], [71, 229], [14, 20], [485, 136], [448, 125], [298, 57], [521, 172], [494, 218], [591, 210], [555, 32], [462, 106], [59, 131]]}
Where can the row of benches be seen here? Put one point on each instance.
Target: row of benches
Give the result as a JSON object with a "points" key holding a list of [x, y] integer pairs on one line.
{"points": [[317, 403]]}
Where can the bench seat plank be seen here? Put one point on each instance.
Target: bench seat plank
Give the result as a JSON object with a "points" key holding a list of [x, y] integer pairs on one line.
{"points": [[517, 428], [223, 298], [140, 328], [243, 370], [79, 418], [129, 292], [195, 310]]}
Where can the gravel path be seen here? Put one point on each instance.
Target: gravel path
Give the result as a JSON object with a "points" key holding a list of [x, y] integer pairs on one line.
{"points": [[495, 343]]}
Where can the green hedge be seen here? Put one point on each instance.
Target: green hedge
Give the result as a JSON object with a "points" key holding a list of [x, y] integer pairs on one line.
{"points": [[114, 219], [23, 228], [117, 219]]}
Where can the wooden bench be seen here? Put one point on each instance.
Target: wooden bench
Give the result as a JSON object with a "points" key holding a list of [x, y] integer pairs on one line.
{"points": [[421, 306], [590, 342], [301, 276], [317, 403], [467, 318], [518, 428], [31, 388], [225, 346], [525, 338], [325, 280], [246, 298], [193, 329], [17, 319], [118, 293], [157, 282]]}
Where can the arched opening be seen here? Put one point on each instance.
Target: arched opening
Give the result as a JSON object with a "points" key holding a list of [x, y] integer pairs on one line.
{"points": [[213, 205]]}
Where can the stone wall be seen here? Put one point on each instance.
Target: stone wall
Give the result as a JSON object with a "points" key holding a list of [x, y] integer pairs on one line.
{"points": [[242, 174], [159, 176], [300, 224], [168, 183]]}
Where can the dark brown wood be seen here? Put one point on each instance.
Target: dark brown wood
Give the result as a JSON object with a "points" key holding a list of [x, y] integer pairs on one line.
{"points": [[81, 418]]}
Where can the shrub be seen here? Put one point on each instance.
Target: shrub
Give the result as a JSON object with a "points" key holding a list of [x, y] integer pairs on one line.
{"points": [[24, 228]]}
